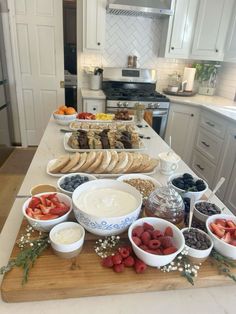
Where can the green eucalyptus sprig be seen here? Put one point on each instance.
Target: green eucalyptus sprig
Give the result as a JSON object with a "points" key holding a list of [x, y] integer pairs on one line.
{"points": [[31, 249], [223, 264]]}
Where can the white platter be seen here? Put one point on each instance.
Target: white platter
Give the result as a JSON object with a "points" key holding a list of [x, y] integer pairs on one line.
{"points": [[102, 121], [104, 175], [69, 149]]}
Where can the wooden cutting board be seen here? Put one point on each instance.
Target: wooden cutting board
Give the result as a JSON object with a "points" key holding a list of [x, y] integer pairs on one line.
{"points": [[52, 278]]}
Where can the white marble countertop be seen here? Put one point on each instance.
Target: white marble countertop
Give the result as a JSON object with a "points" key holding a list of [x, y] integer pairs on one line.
{"points": [[218, 300], [92, 94]]}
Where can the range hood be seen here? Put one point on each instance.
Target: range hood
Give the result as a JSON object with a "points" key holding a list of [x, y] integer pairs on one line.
{"points": [[146, 8]]}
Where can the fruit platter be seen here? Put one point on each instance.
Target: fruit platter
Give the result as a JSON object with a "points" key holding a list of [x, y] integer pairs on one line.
{"points": [[120, 116]]}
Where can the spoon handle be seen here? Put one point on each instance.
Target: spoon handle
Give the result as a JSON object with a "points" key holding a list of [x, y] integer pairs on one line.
{"points": [[192, 201], [218, 185]]}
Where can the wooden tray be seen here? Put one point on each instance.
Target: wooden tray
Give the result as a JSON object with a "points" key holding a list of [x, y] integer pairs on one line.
{"points": [[52, 278]]}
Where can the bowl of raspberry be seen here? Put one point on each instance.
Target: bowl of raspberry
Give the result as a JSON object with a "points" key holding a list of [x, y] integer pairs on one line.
{"points": [[155, 241], [188, 185]]}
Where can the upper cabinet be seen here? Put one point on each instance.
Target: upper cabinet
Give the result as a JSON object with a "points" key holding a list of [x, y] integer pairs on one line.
{"points": [[179, 29], [211, 29], [94, 19], [230, 47]]}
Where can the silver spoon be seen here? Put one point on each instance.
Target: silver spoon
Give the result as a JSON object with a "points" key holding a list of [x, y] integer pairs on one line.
{"points": [[218, 185], [192, 201]]}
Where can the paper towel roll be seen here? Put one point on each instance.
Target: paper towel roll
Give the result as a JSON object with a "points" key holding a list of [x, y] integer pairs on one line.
{"points": [[189, 74]]}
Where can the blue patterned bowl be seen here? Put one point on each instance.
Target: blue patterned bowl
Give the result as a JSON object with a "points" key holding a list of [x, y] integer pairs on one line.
{"points": [[114, 222]]}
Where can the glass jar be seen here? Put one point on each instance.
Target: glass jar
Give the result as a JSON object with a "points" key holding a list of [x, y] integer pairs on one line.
{"points": [[139, 112], [167, 204]]}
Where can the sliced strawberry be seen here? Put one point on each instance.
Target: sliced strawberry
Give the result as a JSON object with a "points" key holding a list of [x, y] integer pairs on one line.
{"points": [[49, 217], [226, 238], [45, 210], [230, 224], [35, 201], [221, 222], [58, 211], [217, 230], [233, 242], [29, 212], [168, 232]]}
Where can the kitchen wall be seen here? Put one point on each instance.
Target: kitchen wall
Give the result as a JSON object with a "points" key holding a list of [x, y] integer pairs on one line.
{"points": [[133, 36], [226, 82]]}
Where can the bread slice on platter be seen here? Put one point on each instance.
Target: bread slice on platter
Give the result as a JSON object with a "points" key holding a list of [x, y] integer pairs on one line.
{"points": [[113, 162], [129, 163], [74, 159], [106, 159], [59, 163], [151, 165], [82, 160], [137, 161], [121, 164], [97, 162], [145, 162], [90, 159]]}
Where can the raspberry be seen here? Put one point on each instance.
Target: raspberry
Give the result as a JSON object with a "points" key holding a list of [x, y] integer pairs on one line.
{"points": [[137, 241], [125, 251], [166, 242], [147, 226], [154, 244], [168, 232], [119, 268], [156, 234], [143, 247], [139, 266], [169, 250], [137, 231], [117, 259], [107, 262], [145, 237], [129, 261]]}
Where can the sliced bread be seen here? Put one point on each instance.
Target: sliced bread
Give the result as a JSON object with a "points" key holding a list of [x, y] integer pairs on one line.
{"points": [[82, 160], [74, 159], [97, 162], [122, 163], [105, 162], [91, 157], [113, 162], [59, 163]]}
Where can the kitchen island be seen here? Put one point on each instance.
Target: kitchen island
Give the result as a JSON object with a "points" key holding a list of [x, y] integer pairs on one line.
{"points": [[218, 299]]}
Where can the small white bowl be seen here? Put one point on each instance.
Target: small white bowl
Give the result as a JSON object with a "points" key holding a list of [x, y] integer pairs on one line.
{"points": [[64, 119], [200, 216], [198, 256], [42, 188], [67, 250], [105, 226], [222, 247], [47, 225], [61, 180], [139, 176], [152, 259], [197, 195]]}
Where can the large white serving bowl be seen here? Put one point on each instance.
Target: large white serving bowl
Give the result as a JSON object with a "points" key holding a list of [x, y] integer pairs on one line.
{"points": [[152, 259], [47, 225], [223, 248], [197, 195], [105, 226], [64, 119]]}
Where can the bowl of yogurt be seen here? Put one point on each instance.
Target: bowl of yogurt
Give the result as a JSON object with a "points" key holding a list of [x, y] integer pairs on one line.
{"points": [[67, 239], [168, 162], [106, 207]]}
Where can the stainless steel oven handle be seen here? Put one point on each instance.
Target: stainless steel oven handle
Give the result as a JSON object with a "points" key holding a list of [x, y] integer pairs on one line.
{"points": [[159, 113]]}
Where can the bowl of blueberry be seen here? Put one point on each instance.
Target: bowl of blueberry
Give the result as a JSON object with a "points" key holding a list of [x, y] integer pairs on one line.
{"points": [[69, 182], [187, 185]]}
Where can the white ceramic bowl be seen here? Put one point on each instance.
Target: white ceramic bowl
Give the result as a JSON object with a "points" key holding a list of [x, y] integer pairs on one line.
{"points": [[61, 180], [64, 119], [223, 248], [198, 256], [139, 176], [200, 216], [105, 226], [152, 259], [42, 188], [47, 225], [197, 195], [67, 250]]}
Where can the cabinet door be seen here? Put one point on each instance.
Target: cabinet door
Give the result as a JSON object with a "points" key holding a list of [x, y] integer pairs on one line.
{"points": [[182, 126], [94, 17], [226, 162], [230, 49], [93, 105], [230, 196], [180, 31], [211, 29]]}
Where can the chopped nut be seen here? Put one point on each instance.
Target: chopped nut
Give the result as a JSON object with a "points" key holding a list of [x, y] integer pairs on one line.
{"points": [[145, 187]]}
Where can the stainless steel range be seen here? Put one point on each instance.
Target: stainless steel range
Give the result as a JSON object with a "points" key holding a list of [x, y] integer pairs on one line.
{"points": [[125, 87]]}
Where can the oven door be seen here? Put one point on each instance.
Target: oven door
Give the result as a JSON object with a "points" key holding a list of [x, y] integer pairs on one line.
{"points": [[159, 120]]}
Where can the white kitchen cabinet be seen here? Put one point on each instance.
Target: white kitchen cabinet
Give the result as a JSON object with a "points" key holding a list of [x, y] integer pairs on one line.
{"points": [[179, 29], [181, 126], [230, 196], [94, 18], [230, 47], [211, 29], [93, 105]]}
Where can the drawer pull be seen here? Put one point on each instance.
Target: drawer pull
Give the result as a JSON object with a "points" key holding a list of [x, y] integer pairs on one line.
{"points": [[192, 115], [235, 137], [211, 124], [204, 143], [201, 168], [94, 108]]}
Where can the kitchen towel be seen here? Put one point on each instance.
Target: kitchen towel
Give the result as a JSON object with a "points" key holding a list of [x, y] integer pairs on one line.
{"points": [[189, 74]]}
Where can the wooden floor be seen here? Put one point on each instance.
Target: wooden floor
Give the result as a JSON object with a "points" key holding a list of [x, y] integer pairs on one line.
{"points": [[12, 174]]}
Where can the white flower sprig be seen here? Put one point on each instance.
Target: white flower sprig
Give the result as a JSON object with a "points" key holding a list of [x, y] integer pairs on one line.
{"points": [[103, 247], [182, 264]]}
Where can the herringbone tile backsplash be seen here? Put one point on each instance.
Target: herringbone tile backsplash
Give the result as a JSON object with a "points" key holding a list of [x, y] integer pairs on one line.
{"points": [[134, 36]]}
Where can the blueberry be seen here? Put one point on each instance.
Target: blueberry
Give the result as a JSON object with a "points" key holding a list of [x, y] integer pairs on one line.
{"points": [[66, 179]]}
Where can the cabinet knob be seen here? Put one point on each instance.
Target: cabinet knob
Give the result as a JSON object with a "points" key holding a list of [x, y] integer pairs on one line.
{"points": [[172, 48], [217, 50], [199, 166], [235, 137], [99, 44], [192, 115], [94, 109]]}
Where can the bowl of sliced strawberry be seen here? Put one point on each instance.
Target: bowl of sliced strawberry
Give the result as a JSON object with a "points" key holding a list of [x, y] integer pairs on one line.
{"points": [[45, 210], [222, 230], [155, 241]]}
